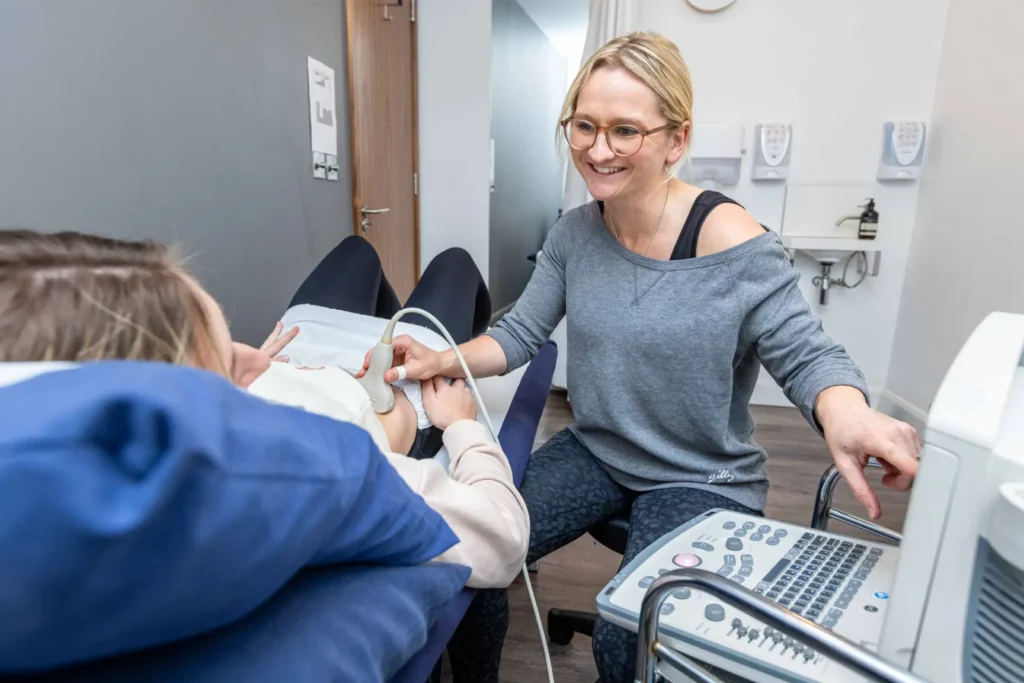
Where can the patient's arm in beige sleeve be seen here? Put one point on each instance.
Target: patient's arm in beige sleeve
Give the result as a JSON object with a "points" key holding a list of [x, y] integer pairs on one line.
{"points": [[478, 501]]}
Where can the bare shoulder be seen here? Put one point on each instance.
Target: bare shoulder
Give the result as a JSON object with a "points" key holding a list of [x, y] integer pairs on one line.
{"points": [[728, 225]]}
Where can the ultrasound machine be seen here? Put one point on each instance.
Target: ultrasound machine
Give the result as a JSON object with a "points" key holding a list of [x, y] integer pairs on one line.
{"points": [[763, 600]]}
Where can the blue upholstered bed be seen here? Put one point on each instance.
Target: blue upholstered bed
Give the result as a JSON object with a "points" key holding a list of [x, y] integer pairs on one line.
{"points": [[174, 529]]}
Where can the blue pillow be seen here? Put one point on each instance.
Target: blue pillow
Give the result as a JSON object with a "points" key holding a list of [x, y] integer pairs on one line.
{"points": [[141, 503], [358, 624]]}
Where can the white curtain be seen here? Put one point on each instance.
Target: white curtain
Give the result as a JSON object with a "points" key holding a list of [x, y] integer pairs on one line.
{"points": [[608, 19]]}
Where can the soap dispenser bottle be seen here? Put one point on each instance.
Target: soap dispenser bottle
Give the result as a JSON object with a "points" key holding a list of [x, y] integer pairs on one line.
{"points": [[868, 228]]}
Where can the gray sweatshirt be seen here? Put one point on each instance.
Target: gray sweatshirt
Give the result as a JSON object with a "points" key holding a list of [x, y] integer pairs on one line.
{"points": [[663, 355]]}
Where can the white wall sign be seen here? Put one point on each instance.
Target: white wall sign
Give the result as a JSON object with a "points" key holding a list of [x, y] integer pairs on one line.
{"points": [[323, 117]]}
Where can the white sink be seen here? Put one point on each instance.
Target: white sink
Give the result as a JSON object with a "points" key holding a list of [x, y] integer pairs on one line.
{"points": [[832, 250]]}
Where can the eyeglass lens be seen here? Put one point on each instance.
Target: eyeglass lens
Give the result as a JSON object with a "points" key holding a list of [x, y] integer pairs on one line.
{"points": [[622, 139]]}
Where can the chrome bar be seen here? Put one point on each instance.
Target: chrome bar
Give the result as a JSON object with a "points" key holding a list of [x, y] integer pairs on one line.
{"points": [[684, 664], [865, 525], [829, 644], [823, 498]]}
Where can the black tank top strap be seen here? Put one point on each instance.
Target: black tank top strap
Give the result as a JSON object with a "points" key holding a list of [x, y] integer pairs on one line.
{"points": [[686, 245]]}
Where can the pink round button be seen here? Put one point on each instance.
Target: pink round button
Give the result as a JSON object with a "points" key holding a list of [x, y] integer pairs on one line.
{"points": [[686, 560]]}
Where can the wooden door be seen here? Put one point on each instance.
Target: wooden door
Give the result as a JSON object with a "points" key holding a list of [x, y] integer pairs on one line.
{"points": [[382, 93]]}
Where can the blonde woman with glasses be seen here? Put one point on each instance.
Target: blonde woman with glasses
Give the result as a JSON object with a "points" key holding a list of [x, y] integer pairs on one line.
{"points": [[674, 298]]}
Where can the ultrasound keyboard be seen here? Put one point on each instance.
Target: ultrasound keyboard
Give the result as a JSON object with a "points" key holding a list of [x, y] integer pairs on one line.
{"points": [[840, 583]]}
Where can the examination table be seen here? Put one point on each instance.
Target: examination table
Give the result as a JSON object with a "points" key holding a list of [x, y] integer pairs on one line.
{"points": [[303, 620]]}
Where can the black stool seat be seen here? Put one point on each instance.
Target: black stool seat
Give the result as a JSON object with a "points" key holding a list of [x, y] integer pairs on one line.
{"points": [[612, 533], [564, 623]]}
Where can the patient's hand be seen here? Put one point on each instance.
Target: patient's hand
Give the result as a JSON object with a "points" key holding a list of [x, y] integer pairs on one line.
{"points": [[250, 363], [447, 404]]}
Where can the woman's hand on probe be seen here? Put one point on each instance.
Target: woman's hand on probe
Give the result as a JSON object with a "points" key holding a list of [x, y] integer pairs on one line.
{"points": [[446, 404], [420, 362]]}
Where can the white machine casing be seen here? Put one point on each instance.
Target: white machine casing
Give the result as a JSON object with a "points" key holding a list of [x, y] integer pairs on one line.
{"points": [[947, 605], [957, 611]]}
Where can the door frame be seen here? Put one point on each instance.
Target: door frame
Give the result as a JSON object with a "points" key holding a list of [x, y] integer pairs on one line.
{"points": [[354, 163]]}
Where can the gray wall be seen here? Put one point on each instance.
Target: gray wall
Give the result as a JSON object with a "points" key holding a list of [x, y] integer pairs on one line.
{"points": [[185, 122], [527, 88]]}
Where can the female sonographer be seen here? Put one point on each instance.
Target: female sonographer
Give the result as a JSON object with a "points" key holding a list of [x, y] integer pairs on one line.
{"points": [[674, 298]]}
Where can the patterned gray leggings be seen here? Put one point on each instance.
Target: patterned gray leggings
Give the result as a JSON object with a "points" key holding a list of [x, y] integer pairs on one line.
{"points": [[567, 492]]}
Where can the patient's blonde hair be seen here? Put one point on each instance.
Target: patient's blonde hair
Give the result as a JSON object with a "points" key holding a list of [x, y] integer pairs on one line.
{"points": [[654, 60], [75, 297]]}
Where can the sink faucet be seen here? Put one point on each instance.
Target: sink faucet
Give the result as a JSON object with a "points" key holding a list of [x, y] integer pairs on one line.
{"points": [[867, 226]]}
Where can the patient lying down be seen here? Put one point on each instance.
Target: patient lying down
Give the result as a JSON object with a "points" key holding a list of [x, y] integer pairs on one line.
{"points": [[79, 298]]}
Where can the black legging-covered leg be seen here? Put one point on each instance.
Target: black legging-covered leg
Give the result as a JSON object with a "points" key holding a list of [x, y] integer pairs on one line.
{"points": [[351, 278], [452, 289]]}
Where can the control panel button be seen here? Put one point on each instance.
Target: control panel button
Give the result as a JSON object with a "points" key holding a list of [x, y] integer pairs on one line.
{"points": [[714, 612], [764, 529], [740, 533], [729, 526], [747, 559], [686, 560], [725, 570], [700, 545], [748, 525], [733, 543], [668, 608], [681, 594], [730, 560], [870, 608], [746, 570], [809, 654], [646, 581], [757, 537], [781, 533], [774, 540]]}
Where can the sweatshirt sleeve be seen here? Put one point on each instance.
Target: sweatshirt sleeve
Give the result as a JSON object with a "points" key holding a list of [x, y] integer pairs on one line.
{"points": [[523, 331], [786, 335], [478, 500]]}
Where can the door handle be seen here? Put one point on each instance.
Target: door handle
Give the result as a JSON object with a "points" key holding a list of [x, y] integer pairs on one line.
{"points": [[370, 212]]}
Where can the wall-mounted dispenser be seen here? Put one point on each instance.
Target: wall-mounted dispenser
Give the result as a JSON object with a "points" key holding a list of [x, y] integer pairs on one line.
{"points": [[771, 151], [716, 154], [902, 150]]}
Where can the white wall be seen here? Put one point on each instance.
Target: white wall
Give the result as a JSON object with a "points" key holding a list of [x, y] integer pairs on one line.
{"points": [[835, 69], [454, 72], [965, 260]]}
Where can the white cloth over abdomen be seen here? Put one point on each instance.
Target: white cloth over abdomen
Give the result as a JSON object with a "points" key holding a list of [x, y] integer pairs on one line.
{"points": [[339, 338]]}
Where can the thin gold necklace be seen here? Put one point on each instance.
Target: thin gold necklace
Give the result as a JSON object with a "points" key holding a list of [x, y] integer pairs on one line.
{"points": [[611, 223]]}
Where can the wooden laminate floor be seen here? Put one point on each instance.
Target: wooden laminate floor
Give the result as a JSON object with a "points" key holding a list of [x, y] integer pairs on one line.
{"points": [[571, 577]]}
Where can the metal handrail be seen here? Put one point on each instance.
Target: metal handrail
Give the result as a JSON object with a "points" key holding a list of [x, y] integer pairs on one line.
{"points": [[823, 508], [835, 647]]}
